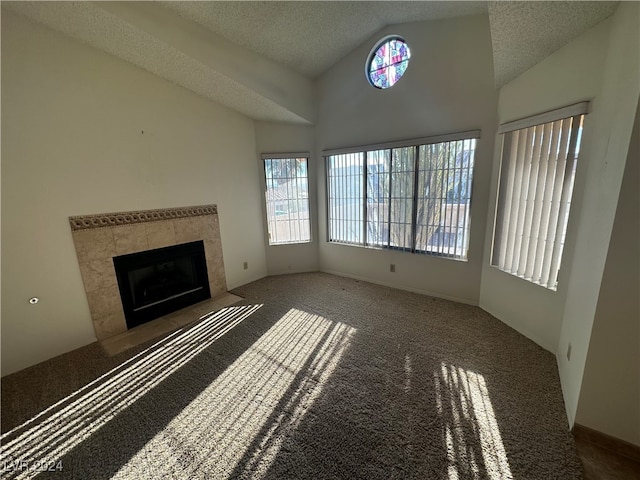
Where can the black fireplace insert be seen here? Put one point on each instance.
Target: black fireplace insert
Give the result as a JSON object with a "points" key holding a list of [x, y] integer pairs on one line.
{"points": [[156, 282]]}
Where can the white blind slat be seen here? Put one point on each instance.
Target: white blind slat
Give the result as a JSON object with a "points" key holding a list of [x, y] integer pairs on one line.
{"points": [[530, 198], [538, 200], [534, 197], [515, 199], [522, 201], [546, 201], [560, 163]]}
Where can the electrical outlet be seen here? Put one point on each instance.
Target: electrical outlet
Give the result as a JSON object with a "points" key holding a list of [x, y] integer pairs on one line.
{"points": [[245, 265], [392, 268], [569, 352]]}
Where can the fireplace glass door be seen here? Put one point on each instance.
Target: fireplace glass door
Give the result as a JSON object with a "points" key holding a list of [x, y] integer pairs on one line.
{"points": [[157, 282]]}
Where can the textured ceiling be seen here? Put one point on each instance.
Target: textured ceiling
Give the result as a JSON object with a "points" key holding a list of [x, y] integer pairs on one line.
{"points": [[309, 37], [260, 58], [524, 33]]}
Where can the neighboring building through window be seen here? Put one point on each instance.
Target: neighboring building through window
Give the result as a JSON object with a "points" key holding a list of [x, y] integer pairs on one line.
{"points": [[387, 62], [287, 198], [538, 166], [413, 197]]}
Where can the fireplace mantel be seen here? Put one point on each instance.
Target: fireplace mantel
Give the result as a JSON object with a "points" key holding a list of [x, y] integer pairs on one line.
{"points": [[98, 238]]}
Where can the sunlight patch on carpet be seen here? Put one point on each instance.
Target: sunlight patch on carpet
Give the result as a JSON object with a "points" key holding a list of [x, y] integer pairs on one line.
{"points": [[58, 429], [471, 433], [239, 423]]}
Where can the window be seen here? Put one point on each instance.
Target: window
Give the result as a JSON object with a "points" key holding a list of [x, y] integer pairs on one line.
{"points": [[387, 62], [413, 196], [539, 158], [287, 198]]}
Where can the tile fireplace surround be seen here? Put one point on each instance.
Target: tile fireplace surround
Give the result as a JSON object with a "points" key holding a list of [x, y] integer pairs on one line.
{"points": [[99, 238]]}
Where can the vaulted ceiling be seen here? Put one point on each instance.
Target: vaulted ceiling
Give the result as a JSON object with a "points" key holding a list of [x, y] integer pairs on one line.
{"points": [[260, 58]]}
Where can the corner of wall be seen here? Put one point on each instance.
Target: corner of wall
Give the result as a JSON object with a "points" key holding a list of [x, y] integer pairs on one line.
{"points": [[603, 178]]}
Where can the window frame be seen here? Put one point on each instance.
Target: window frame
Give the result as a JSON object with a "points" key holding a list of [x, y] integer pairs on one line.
{"points": [[501, 239], [287, 156], [416, 143], [369, 61]]}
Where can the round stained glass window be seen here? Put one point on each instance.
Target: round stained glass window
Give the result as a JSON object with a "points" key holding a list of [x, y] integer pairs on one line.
{"points": [[387, 62]]}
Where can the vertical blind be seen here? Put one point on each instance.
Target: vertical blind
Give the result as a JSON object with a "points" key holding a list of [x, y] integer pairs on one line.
{"points": [[534, 198]]}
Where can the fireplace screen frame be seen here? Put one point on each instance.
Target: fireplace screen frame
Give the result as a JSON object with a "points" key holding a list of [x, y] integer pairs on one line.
{"points": [[126, 263]]}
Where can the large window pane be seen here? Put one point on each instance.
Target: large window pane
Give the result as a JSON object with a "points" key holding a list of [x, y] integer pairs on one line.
{"points": [[414, 198], [444, 193], [346, 197], [287, 199], [402, 183], [378, 180]]}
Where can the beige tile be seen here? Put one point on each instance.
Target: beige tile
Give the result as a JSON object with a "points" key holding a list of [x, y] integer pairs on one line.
{"points": [[212, 249], [187, 230], [210, 227], [130, 239], [215, 265], [147, 331], [104, 302], [110, 325], [94, 244], [204, 308], [217, 287], [160, 234], [226, 300], [185, 317], [98, 274], [216, 275]]}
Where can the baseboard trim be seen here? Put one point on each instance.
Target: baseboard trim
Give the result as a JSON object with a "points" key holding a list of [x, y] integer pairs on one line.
{"points": [[613, 444], [401, 287]]}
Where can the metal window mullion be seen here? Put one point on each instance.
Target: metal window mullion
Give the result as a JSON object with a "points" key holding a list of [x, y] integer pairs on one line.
{"points": [[342, 200], [364, 199], [458, 196], [414, 213], [288, 183], [446, 154], [467, 199], [295, 193], [426, 176], [450, 223], [433, 178], [331, 201], [331, 185], [267, 199], [390, 201]]}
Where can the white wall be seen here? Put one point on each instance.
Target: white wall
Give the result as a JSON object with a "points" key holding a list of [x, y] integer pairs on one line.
{"points": [[72, 144], [610, 393], [618, 101], [447, 88], [282, 138], [570, 75]]}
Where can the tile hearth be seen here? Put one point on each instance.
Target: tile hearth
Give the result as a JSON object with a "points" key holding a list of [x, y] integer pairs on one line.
{"points": [[147, 331]]}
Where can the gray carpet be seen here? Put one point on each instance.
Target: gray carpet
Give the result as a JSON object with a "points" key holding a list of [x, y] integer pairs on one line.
{"points": [[312, 376]]}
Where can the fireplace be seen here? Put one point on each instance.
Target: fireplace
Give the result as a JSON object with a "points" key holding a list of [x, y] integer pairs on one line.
{"points": [[157, 282], [99, 238]]}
